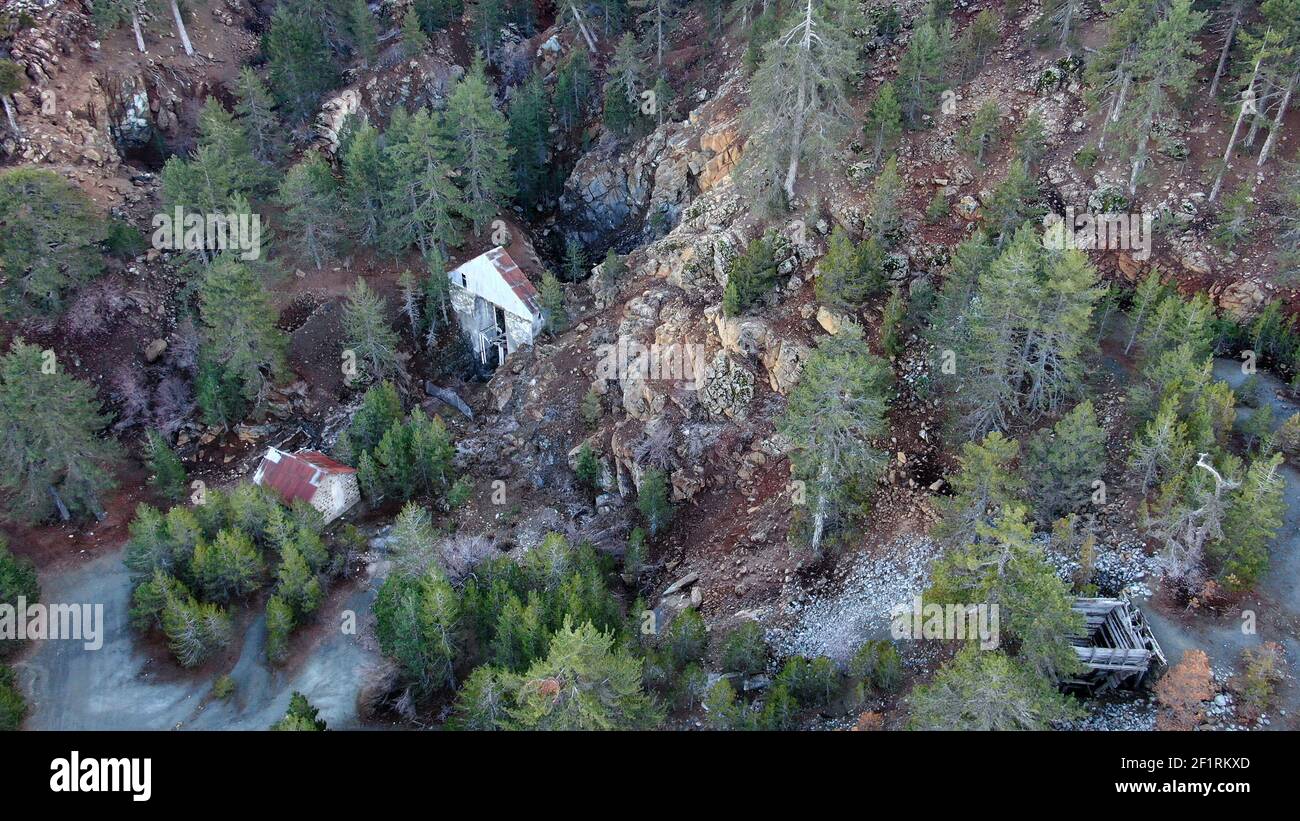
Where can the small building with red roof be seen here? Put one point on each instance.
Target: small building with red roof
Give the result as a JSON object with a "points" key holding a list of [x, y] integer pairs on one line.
{"points": [[496, 305], [308, 475]]}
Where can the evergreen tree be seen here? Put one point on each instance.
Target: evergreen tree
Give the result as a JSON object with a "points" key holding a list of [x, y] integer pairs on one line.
{"points": [[436, 15], [483, 702], [414, 40], [977, 43], [1014, 202], [798, 109], [17, 580], [300, 63], [744, 650], [279, 624], [920, 72], [255, 109], [167, 474], [980, 690], [1252, 521], [884, 124], [314, 212], [1065, 463], [986, 484], [552, 298], [363, 32], [1236, 218], [885, 220], [1031, 141], [1163, 73], [367, 332], [229, 567], [573, 87], [833, 415], [849, 274], [1161, 450], [984, 132], [300, 716], [529, 121], [750, 275], [422, 199], [437, 297], [48, 245], [486, 22], [652, 499], [52, 455], [583, 683], [575, 260], [588, 468], [417, 625], [241, 351]]}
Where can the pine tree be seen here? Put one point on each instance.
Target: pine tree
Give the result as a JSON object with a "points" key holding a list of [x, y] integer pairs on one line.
{"points": [[51, 232], [167, 474], [301, 66], [984, 132], [986, 484], [436, 15], [587, 469], [422, 199], [750, 275], [1236, 217], [1066, 463], [279, 624], [53, 458], [411, 298], [834, 413], [552, 298], [1161, 450], [585, 682], [849, 274], [228, 567], [362, 31], [367, 332], [437, 298], [885, 220], [1031, 141], [314, 212], [977, 43], [238, 335], [1163, 73], [744, 650], [658, 17], [255, 109], [652, 499], [798, 109], [301, 716], [920, 73], [417, 625], [364, 184], [414, 40], [575, 260], [573, 87], [1014, 203], [1253, 520], [884, 124], [987, 691], [1060, 19], [486, 22], [529, 120], [483, 701]]}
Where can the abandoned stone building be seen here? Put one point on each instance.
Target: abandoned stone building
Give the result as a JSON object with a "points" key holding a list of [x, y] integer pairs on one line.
{"points": [[498, 309], [329, 486]]}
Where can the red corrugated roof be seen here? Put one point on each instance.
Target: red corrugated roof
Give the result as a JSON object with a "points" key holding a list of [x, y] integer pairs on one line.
{"points": [[515, 278], [297, 475]]}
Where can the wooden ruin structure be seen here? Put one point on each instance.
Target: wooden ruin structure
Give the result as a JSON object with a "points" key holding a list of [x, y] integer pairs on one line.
{"points": [[1116, 647]]}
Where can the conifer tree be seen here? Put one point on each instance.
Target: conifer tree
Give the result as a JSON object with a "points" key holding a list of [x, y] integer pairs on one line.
{"points": [[300, 63], [367, 332], [422, 199], [834, 414], [167, 474], [362, 31], [239, 341], [986, 483], [414, 40], [980, 690], [51, 456], [1252, 521], [984, 132], [480, 153], [573, 87], [417, 625], [314, 211], [849, 274], [529, 120], [600, 686], [364, 184], [652, 499], [1031, 141], [1161, 450], [486, 21], [279, 624], [920, 72], [1014, 202], [1066, 463], [552, 298], [884, 124], [255, 109], [885, 220], [798, 110], [49, 247]]}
